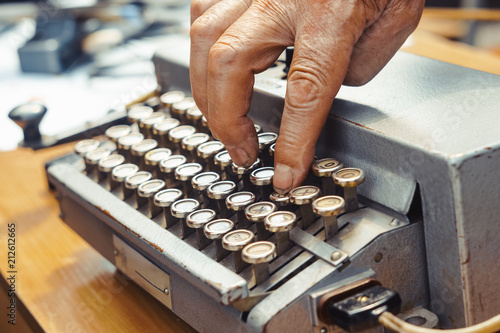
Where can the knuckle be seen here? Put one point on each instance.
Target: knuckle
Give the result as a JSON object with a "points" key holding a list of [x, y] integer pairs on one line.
{"points": [[222, 55], [304, 88], [203, 28], [198, 7]]}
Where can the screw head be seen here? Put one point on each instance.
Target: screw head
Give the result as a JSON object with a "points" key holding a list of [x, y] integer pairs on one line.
{"points": [[336, 255]]}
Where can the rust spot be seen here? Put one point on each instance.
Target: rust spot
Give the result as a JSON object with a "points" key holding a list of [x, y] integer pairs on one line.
{"points": [[107, 213], [352, 122], [487, 148], [154, 245]]}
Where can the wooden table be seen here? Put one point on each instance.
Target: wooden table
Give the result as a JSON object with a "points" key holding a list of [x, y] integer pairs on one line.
{"points": [[65, 285]]}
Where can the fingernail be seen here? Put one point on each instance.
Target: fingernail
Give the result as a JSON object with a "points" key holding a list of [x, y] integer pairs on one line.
{"points": [[283, 178], [240, 157]]}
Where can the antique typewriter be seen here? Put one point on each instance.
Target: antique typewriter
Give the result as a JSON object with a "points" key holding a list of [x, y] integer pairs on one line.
{"points": [[404, 194]]}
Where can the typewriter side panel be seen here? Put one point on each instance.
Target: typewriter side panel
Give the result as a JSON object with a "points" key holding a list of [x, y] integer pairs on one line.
{"points": [[477, 195]]}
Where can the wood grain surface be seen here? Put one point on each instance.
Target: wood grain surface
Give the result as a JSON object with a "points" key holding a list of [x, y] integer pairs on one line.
{"points": [[65, 284]]}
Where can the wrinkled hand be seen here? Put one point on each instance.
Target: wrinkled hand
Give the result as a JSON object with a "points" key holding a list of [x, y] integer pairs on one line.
{"points": [[336, 42]]}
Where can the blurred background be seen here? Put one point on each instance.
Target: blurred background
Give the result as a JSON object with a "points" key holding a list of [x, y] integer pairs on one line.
{"points": [[86, 59]]}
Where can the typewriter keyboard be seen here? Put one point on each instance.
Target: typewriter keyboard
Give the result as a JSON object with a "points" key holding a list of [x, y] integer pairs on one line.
{"points": [[166, 165]]}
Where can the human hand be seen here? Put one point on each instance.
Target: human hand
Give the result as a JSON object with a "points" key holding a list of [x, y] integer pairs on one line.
{"points": [[336, 42]]}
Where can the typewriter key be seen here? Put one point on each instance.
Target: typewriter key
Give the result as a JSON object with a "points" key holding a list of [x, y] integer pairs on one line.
{"points": [[201, 182], [329, 207], [165, 199], [106, 165], [259, 254], [193, 115], [161, 129], [244, 174], [282, 201], [119, 174], [223, 161], [348, 179], [132, 182], [178, 133], [262, 178], [168, 166], [216, 230], [207, 151], [153, 158], [126, 142], [280, 223], [171, 97], [178, 109], [266, 139], [138, 150], [92, 158], [146, 124], [147, 190], [303, 196], [235, 241], [258, 128], [184, 173], [191, 142], [237, 202], [271, 151], [181, 209], [84, 146], [136, 113], [153, 102], [197, 220], [115, 132], [220, 191], [257, 213], [324, 168]]}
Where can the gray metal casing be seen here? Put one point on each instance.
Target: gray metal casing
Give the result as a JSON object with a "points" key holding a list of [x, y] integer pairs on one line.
{"points": [[419, 122]]}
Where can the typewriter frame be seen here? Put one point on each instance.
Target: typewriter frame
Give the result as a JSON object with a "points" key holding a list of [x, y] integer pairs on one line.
{"points": [[438, 260]]}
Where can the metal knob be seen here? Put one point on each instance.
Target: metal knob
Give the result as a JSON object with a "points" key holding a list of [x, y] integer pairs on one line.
{"points": [[184, 173], [303, 196], [28, 116], [349, 179], [106, 165], [235, 241], [161, 130], [84, 146], [280, 223], [329, 207], [120, 173], [206, 151], [164, 199], [171, 97], [222, 160], [197, 220], [262, 178], [282, 201], [216, 230], [115, 132], [181, 209], [220, 191], [92, 159], [147, 190], [324, 168], [259, 254], [168, 166], [237, 202], [153, 158], [257, 213], [146, 124], [132, 182]]}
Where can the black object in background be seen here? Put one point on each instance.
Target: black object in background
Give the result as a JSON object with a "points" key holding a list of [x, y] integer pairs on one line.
{"points": [[55, 46]]}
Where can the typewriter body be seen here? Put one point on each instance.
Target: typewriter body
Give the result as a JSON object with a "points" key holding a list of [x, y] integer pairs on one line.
{"points": [[427, 136]]}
